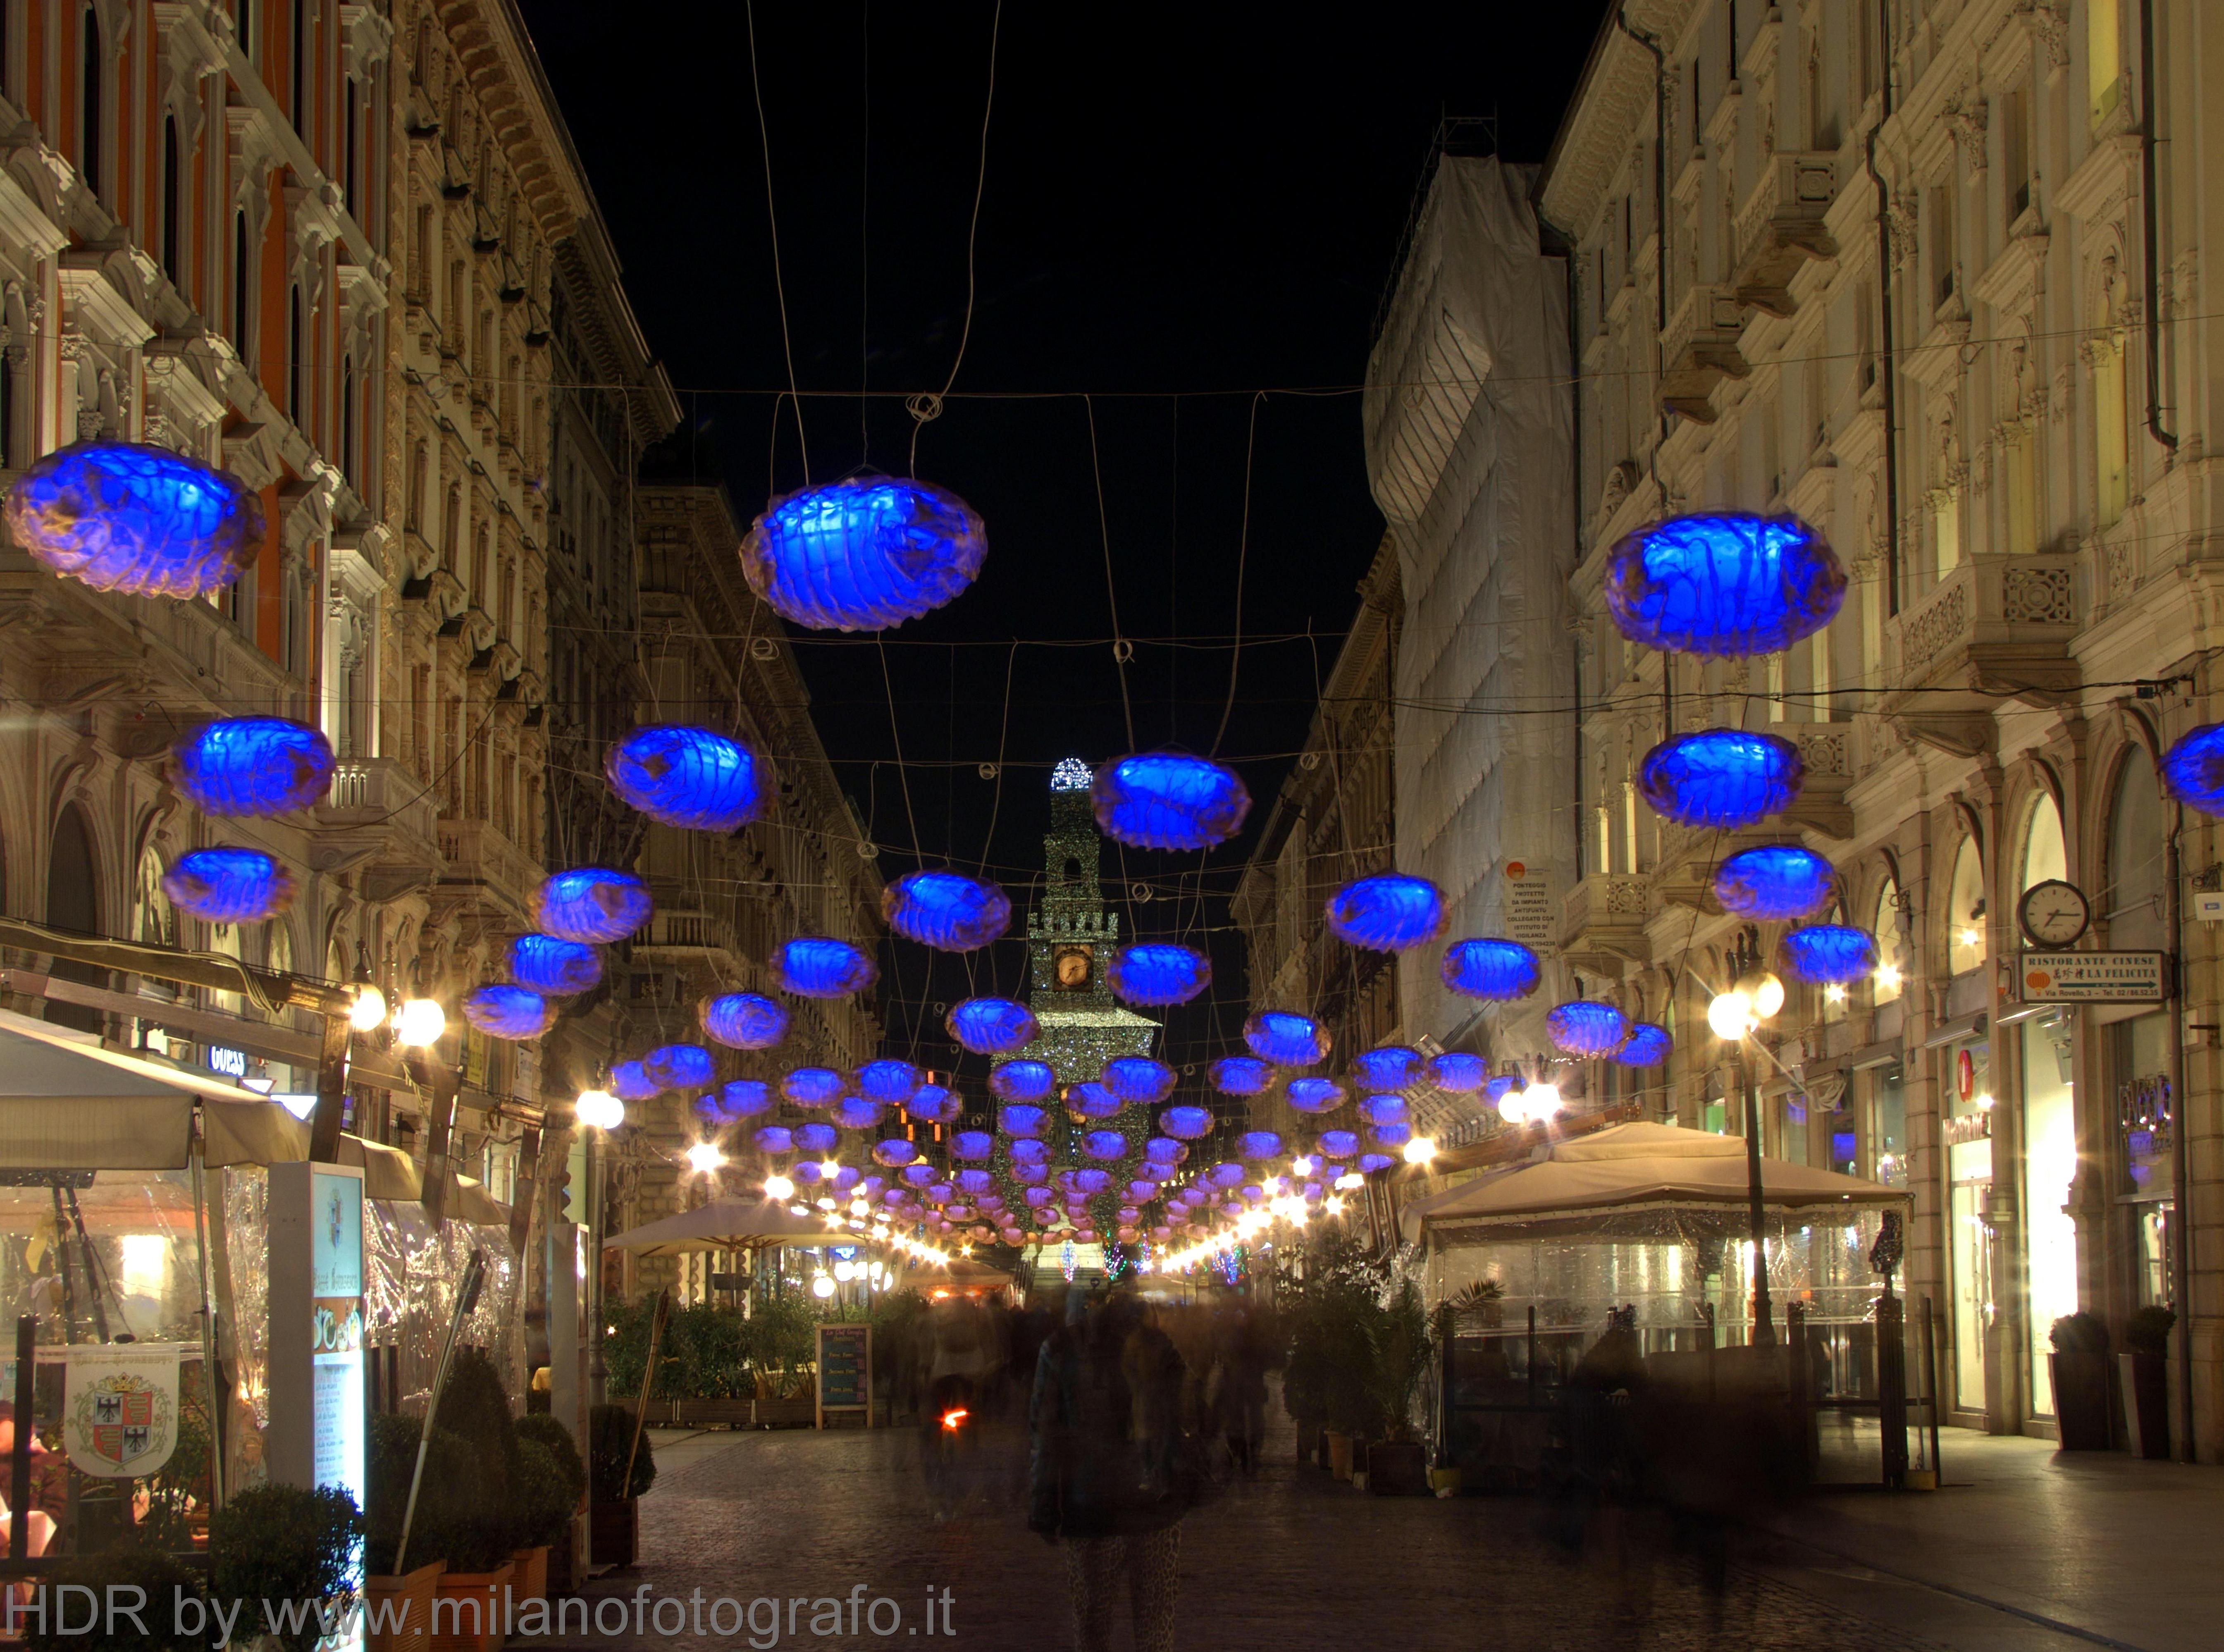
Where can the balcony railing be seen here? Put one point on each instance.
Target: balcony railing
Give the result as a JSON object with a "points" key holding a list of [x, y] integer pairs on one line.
{"points": [[1603, 919], [1994, 622], [1701, 350], [1780, 229]]}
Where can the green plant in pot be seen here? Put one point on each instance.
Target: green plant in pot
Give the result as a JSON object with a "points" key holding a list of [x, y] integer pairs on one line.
{"points": [[446, 1497], [286, 1543], [610, 1431], [542, 1429], [171, 1587]]}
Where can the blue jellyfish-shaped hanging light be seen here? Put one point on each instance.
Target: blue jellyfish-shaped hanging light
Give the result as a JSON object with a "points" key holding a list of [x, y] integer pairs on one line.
{"points": [[1647, 1045], [1137, 1080], [1775, 881], [1384, 1110], [593, 904], [1022, 1081], [1168, 800], [1392, 1066], [744, 1021], [1368, 1163], [228, 885], [134, 518], [773, 1138], [971, 1144], [1185, 1122], [889, 1080], [1286, 1038], [1315, 1095], [686, 777], [1395, 1134], [2193, 768], [1158, 974], [1721, 777], [256, 766], [1022, 1118], [864, 554], [1724, 586], [1339, 1144], [1241, 1075], [549, 964], [505, 1010], [1104, 1144], [945, 910], [1586, 1027], [1092, 1098], [934, 1104], [858, 1113], [630, 1081], [817, 1136], [1458, 1074], [1828, 954], [1490, 969], [895, 1151], [811, 1086], [992, 1026], [681, 1067], [740, 1099], [1259, 1144], [1387, 912], [819, 966]]}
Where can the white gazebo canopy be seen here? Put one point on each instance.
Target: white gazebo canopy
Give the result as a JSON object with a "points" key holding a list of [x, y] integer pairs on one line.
{"points": [[729, 1224]]}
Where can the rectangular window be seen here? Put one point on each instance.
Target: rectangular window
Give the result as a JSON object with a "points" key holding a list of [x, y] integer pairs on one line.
{"points": [[2104, 59], [2111, 434], [1946, 529], [1821, 678], [1941, 244], [2021, 460], [2015, 151]]}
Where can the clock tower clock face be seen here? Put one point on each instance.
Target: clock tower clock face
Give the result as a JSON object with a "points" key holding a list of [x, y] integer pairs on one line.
{"points": [[2053, 914], [1070, 966]]}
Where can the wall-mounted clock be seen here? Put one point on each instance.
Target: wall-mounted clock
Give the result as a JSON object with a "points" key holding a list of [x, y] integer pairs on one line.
{"points": [[2053, 914]]}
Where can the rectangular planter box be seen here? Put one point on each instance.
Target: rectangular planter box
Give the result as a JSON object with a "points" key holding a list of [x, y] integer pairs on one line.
{"points": [[2082, 1410], [786, 1413], [528, 1575], [2145, 1382], [1398, 1468], [617, 1536], [414, 1590], [457, 1626], [703, 1414]]}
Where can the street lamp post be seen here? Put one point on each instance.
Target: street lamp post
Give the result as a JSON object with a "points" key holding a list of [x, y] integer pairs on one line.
{"points": [[1734, 1015], [597, 1112]]}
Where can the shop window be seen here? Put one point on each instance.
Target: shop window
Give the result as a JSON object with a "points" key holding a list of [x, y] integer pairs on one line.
{"points": [[1887, 1119], [2130, 903], [1885, 925], [1965, 912], [2049, 1144]]}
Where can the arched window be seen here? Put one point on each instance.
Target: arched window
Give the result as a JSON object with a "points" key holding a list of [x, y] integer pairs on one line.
{"points": [[89, 109], [173, 163], [295, 366], [243, 289], [1883, 924], [73, 903], [1965, 911], [154, 921], [2043, 855], [2132, 903]]}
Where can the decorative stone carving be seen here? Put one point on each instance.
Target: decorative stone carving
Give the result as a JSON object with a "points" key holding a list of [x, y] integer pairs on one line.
{"points": [[1931, 631], [2038, 597]]}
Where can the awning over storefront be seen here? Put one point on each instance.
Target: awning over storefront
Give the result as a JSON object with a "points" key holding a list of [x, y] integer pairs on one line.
{"points": [[1632, 1167], [728, 1224]]}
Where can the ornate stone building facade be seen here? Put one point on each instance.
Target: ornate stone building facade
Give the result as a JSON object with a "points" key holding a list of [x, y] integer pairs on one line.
{"points": [[1925, 274]]}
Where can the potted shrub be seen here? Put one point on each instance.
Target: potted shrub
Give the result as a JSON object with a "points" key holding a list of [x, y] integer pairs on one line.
{"points": [[1398, 1466], [398, 1610], [544, 1502], [173, 1590], [2080, 1367], [2144, 1368], [615, 1509], [286, 1543], [541, 1430], [479, 1535]]}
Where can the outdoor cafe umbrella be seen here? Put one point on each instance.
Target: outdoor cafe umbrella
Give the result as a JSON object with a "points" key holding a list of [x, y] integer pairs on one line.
{"points": [[727, 1225]]}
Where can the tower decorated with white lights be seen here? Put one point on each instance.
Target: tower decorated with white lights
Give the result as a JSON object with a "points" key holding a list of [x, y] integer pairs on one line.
{"points": [[1072, 936]]}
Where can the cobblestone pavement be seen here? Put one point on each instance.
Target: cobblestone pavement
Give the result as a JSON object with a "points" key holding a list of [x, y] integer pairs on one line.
{"points": [[1288, 1562]]}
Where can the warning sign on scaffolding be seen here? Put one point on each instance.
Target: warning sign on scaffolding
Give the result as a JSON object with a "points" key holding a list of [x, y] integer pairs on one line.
{"points": [[1532, 917]]}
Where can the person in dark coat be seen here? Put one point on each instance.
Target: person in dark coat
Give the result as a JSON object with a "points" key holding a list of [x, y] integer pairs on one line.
{"points": [[1108, 1474]]}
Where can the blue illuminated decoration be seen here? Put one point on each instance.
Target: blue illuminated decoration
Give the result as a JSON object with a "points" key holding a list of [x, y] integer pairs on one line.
{"points": [[1104, 1144], [889, 1080], [740, 1099], [1585, 1027], [1241, 1075], [1167, 799], [1024, 1148], [681, 1067], [1368, 1163], [818, 966], [1231, 1175], [1648, 1046], [1285, 1039], [817, 1136], [1391, 1068], [142, 519], [549, 964], [1503, 1084], [934, 1104], [1186, 1123], [864, 554], [630, 1081], [1495, 970], [228, 885], [992, 1026], [1828, 954], [253, 766], [919, 1175], [1773, 882], [1022, 1118], [744, 1021], [1383, 1109], [594, 904], [1022, 1081], [858, 1113], [946, 909], [1316, 1095], [1387, 912], [2193, 768], [1721, 777], [502, 1010], [1727, 586], [895, 1151], [1259, 1144], [971, 1144], [811, 1086], [686, 777], [1137, 1080], [1140, 1192], [1457, 1074], [974, 1184], [1396, 1134], [1163, 1150], [774, 1139], [1093, 1099], [1158, 974], [1087, 1182], [1339, 1144]]}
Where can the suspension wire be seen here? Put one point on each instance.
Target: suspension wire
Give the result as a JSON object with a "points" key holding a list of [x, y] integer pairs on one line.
{"points": [[1243, 556], [1121, 647], [925, 408], [772, 219]]}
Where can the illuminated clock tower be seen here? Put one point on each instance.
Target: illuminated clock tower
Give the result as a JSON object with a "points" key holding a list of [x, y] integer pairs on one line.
{"points": [[1070, 938]]}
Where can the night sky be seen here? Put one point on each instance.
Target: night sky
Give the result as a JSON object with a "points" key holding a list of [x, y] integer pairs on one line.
{"points": [[1183, 208]]}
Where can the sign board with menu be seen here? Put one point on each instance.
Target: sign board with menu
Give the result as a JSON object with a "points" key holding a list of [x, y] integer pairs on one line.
{"points": [[2092, 978], [318, 1365], [845, 1370]]}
